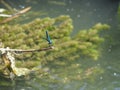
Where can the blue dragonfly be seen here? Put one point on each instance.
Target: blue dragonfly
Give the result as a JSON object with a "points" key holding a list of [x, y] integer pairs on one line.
{"points": [[48, 38]]}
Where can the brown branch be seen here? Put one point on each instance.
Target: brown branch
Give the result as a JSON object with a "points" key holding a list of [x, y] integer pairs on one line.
{"points": [[16, 15], [34, 50], [23, 51]]}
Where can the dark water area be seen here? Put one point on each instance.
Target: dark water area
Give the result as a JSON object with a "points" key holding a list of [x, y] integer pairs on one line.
{"points": [[85, 14]]}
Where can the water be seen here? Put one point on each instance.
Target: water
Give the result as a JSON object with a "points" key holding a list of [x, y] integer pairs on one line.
{"points": [[85, 13]]}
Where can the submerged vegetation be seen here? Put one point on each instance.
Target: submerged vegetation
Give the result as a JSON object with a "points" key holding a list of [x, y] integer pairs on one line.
{"points": [[67, 48]]}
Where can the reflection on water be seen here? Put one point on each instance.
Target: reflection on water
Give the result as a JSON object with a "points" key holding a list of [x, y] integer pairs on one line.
{"points": [[85, 13]]}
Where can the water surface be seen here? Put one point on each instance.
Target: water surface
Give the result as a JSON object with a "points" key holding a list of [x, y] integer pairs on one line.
{"points": [[85, 14]]}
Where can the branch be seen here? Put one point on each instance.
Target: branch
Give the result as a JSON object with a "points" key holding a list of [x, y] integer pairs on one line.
{"points": [[21, 51], [16, 15]]}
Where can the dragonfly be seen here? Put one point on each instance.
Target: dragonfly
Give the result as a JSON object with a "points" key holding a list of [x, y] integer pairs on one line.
{"points": [[48, 38]]}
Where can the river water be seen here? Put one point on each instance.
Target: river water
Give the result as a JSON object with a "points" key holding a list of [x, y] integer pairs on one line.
{"points": [[85, 14]]}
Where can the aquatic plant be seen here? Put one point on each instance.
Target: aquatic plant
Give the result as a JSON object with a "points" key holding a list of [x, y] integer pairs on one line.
{"points": [[27, 36], [118, 15], [118, 12]]}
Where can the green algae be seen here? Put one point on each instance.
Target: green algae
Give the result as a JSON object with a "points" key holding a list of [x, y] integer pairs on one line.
{"points": [[30, 35], [65, 55], [48, 66]]}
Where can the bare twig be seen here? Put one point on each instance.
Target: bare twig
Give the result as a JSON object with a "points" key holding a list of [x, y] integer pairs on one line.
{"points": [[23, 51], [16, 15]]}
